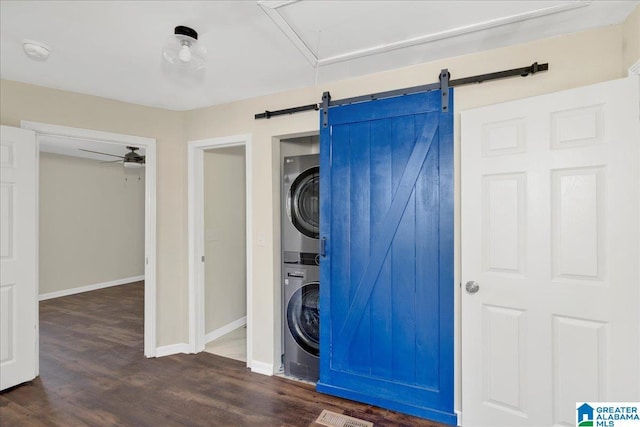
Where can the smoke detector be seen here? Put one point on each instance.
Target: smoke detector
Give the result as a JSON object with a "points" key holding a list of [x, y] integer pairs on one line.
{"points": [[36, 50]]}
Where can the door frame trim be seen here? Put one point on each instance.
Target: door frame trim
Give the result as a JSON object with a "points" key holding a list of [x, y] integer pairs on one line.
{"points": [[195, 214], [149, 144]]}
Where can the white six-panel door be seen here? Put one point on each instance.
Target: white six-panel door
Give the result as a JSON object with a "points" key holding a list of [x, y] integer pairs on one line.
{"points": [[550, 213], [18, 257]]}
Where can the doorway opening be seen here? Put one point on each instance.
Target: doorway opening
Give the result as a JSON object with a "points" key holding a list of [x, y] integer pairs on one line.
{"points": [[225, 252], [297, 200], [220, 255], [91, 231], [67, 140]]}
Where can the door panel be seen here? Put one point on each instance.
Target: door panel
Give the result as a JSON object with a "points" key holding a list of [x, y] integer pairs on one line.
{"points": [[18, 286], [387, 277], [550, 196]]}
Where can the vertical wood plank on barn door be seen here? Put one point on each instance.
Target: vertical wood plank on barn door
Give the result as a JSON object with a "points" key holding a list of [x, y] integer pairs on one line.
{"points": [[387, 277]]}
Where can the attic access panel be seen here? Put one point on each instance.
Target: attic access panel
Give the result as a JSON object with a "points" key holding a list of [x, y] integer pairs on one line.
{"points": [[353, 29]]}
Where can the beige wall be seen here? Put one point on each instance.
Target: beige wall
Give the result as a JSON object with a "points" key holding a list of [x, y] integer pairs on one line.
{"points": [[91, 222], [20, 101], [575, 60], [631, 40], [225, 237]]}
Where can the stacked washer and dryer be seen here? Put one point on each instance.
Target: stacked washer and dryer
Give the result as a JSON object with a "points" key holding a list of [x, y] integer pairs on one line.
{"points": [[301, 270]]}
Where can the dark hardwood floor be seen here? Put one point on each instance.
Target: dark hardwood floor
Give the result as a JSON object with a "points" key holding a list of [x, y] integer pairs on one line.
{"points": [[93, 373]]}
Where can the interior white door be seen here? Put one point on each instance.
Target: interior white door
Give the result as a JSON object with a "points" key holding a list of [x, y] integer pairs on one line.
{"points": [[18, 275], [550, 213]]}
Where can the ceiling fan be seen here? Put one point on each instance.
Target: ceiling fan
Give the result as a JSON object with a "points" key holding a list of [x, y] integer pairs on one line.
{"points": [[130, 160]]}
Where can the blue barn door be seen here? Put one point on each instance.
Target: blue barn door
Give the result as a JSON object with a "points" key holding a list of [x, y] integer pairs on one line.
{"points": [[386, 277]]}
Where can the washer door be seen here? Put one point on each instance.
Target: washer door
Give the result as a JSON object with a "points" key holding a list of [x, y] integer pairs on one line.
{"points": [[303, 317], [303, 202]]}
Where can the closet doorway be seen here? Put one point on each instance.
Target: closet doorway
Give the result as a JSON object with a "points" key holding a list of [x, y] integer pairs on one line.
{"points": [[219, 247]]}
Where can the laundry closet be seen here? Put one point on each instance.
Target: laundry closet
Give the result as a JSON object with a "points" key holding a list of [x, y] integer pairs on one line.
{"points": [[300, 229]]}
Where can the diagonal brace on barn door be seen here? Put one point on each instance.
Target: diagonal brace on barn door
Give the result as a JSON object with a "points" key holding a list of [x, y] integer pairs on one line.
{"points": [[388, 228]]}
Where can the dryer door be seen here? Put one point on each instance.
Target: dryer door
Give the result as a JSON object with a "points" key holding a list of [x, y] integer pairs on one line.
{"points": [[303, 202], [303, 317]]}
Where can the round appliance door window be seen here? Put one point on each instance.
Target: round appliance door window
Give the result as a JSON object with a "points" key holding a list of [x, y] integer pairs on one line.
{"points": [[303, 317], [304, 202]]}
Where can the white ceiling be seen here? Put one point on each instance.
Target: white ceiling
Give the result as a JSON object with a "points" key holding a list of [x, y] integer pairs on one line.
{"points": [[113, 48], [74, 147]]}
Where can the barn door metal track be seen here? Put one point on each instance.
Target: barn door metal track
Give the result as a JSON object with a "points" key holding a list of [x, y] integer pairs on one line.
{"points": [[443, 85]]}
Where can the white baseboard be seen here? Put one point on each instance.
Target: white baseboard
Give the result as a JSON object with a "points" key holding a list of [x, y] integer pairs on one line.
{"points": [[168, 350], [88, 288], [224, 330], [261, 368], [459, 413]]}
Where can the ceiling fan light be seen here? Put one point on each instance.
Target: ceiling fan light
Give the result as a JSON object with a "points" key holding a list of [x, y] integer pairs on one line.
{"points": [[183, 49], [133, 165]]}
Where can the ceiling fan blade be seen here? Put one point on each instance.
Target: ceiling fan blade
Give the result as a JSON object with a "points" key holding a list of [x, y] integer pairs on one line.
{"points": [[112, 161], [98, 152]]}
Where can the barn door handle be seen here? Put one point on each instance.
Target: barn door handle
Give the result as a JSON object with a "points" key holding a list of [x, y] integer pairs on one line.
{"points": [[323, 247], [472, 287]]}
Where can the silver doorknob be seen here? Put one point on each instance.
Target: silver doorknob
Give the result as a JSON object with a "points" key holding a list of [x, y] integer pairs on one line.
{"points": [[472, 287]]}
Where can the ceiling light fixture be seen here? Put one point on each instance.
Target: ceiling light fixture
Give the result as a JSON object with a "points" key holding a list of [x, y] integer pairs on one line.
{"points": [[183, 49], [36, 50]]}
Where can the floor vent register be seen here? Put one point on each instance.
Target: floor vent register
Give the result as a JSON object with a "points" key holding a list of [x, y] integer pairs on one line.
{"points": [[333, 419]]}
